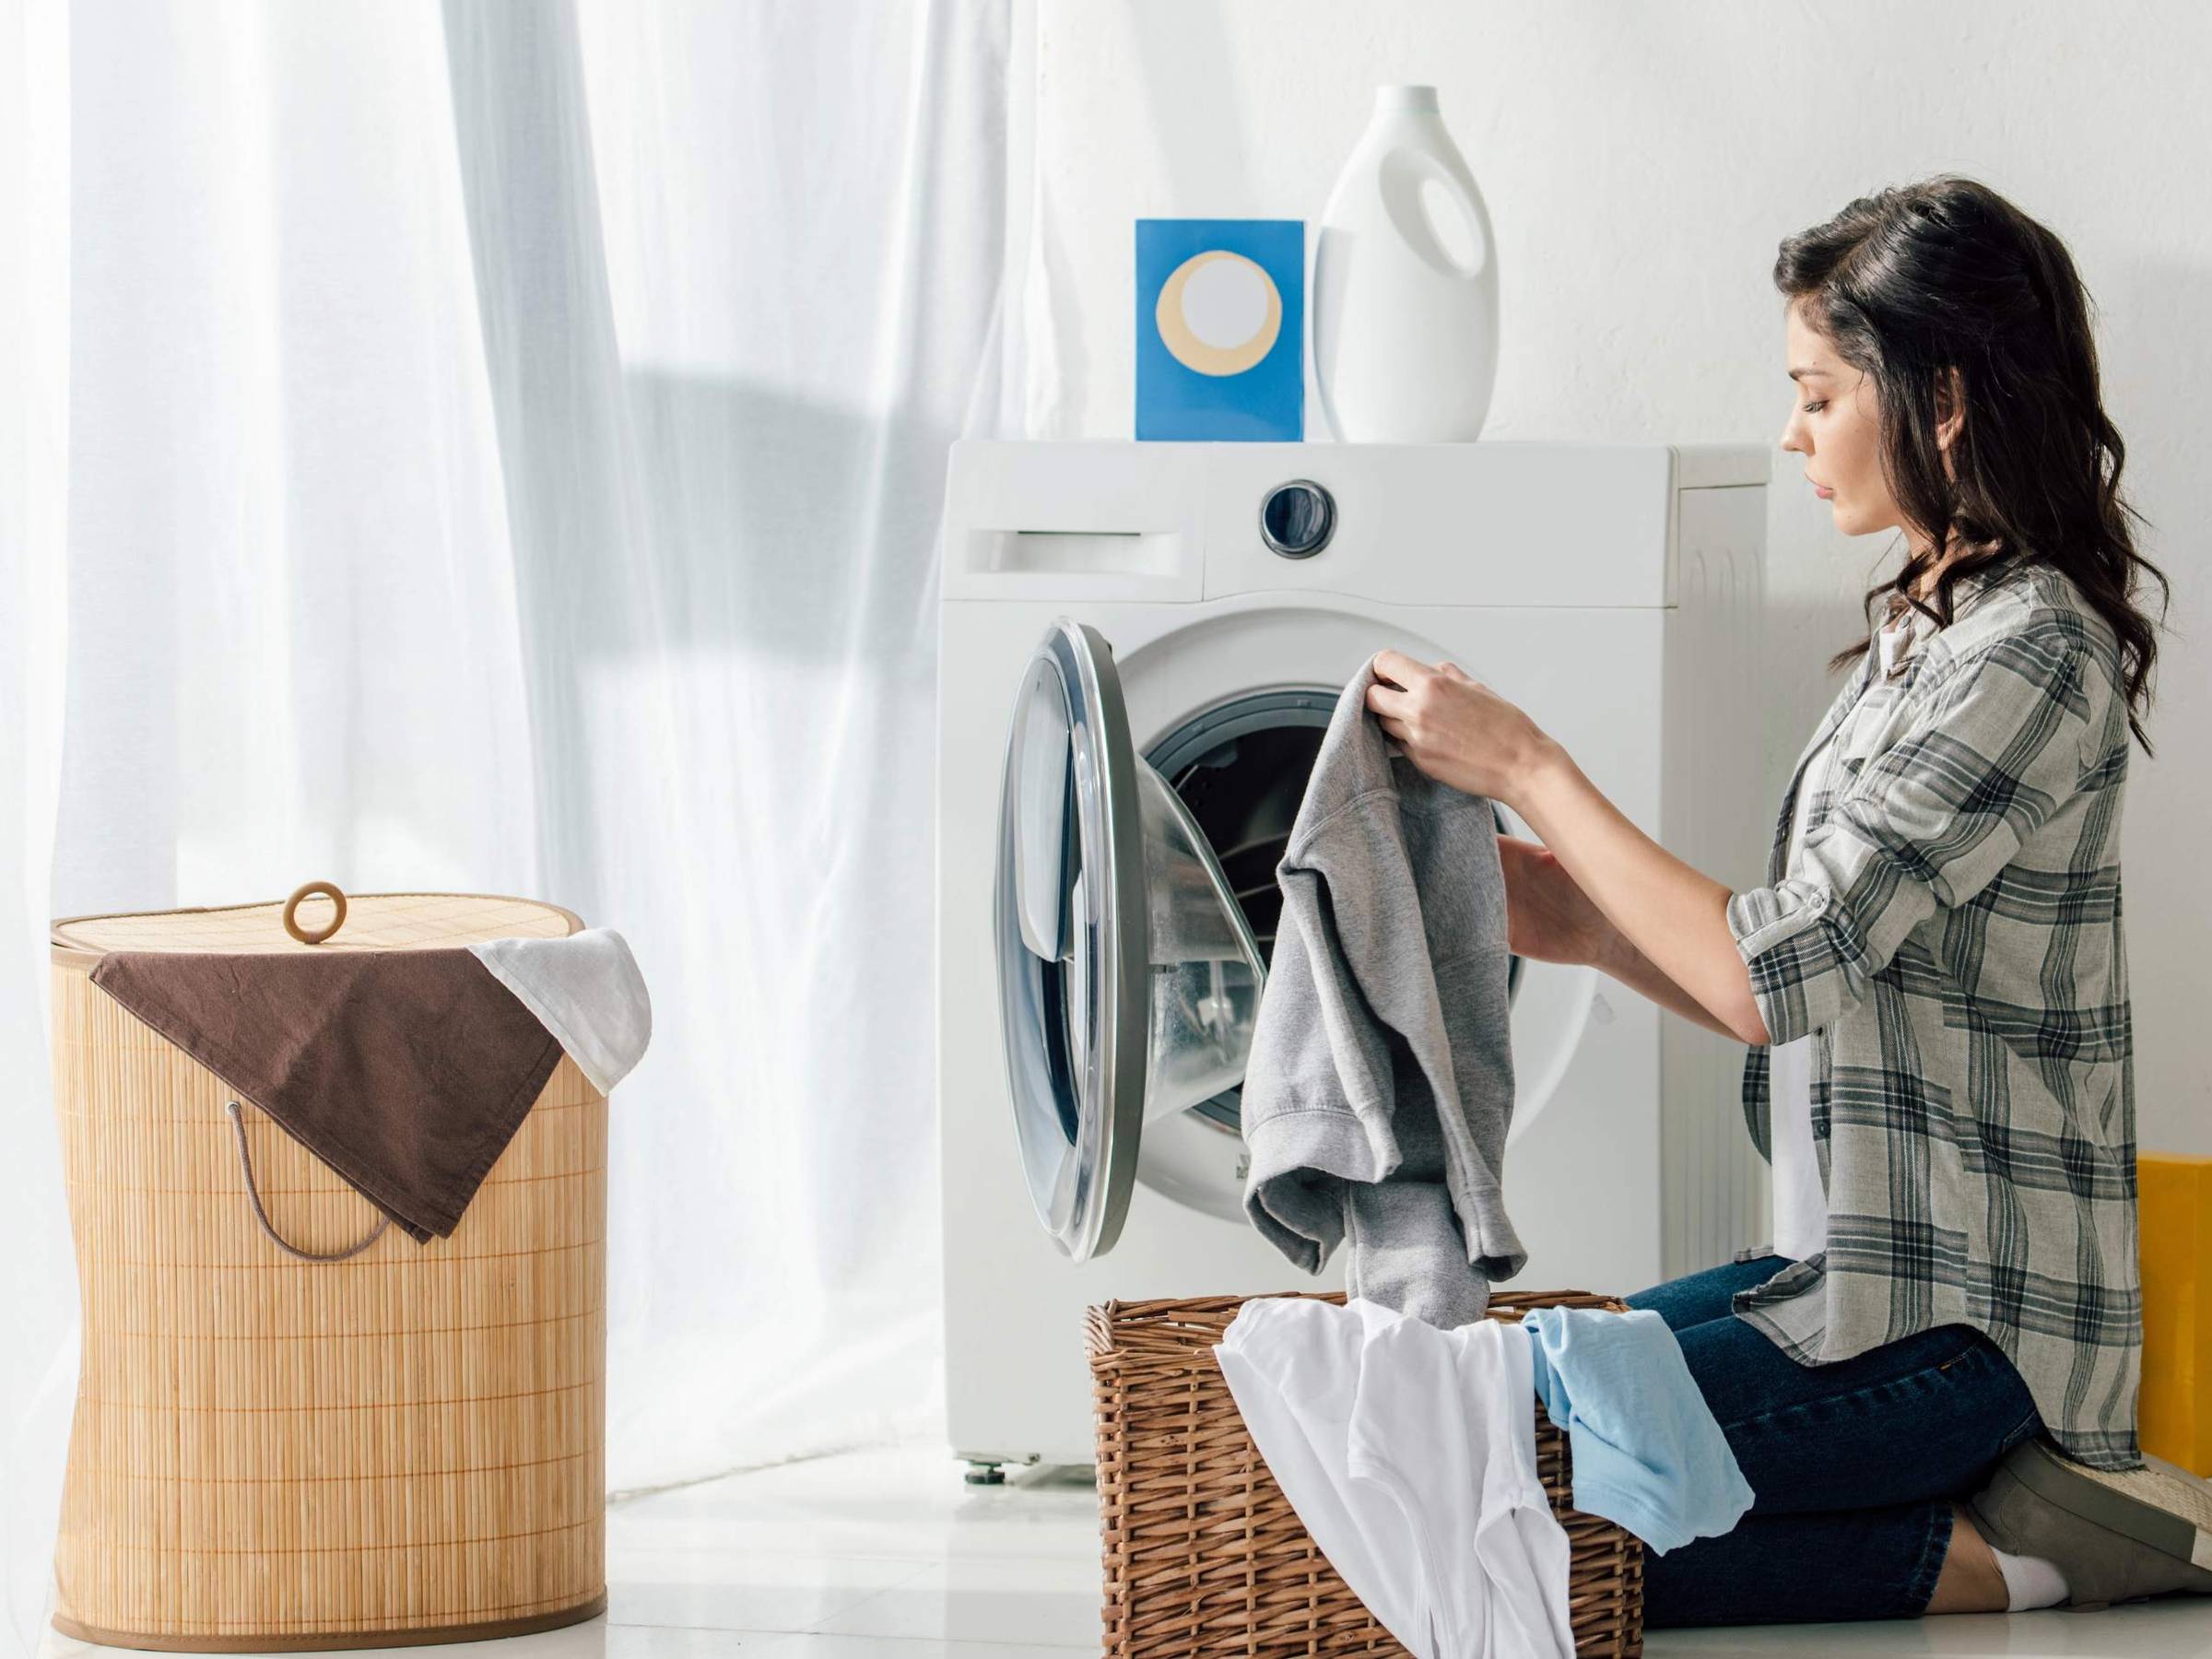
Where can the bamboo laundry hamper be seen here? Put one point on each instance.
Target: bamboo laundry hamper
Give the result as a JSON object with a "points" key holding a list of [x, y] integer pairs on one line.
{"points": [[269, 1454], [1204, 1554]]}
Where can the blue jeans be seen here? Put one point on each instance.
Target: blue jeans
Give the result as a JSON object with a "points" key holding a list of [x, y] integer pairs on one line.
{"points": [[1852, 1466]]}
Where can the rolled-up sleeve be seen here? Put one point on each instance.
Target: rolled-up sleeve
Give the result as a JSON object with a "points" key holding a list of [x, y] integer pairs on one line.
{"points": [[1926, 823]]}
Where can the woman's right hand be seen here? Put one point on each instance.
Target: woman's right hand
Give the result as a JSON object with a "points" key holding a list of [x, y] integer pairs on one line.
{"points": [[1548, 917]]}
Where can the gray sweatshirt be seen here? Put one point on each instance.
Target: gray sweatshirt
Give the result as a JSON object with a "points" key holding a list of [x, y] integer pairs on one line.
{"points": [[1380, 1086]]}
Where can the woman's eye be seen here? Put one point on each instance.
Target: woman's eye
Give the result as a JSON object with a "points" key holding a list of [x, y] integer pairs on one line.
{"points": [[1814, 408]]}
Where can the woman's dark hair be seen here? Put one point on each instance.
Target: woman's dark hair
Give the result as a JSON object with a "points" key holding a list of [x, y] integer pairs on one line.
{"points": [[1947, 274]]}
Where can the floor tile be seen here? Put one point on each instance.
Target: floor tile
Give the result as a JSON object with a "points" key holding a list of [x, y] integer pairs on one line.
{"points": [[2170, 1627], [908, 1503], [595, 1639], [985, 1599], [820, 1646], [742, 1589]]}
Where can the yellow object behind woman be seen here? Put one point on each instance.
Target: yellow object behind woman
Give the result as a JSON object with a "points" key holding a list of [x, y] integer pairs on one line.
{"points": [[2174, 1198]]}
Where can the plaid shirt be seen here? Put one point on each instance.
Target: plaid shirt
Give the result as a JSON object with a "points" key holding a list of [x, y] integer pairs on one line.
{"points": [[1949, 934]]}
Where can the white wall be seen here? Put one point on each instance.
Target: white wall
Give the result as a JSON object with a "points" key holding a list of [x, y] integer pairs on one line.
{"points": [[1639, 164]]}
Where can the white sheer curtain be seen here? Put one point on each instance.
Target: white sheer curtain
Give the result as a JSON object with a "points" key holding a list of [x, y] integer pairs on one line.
{"points": [[500, 447], [37, 1353]]}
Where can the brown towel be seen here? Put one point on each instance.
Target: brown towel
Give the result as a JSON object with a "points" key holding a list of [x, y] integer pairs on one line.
{"points": [[406, 1071]]}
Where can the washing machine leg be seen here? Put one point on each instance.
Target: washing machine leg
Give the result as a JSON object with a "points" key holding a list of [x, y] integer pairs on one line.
{"points": [[985, 1474]]}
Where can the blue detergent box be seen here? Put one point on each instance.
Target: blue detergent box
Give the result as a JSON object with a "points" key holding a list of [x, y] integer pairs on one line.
{"points": [[1220, 330]]}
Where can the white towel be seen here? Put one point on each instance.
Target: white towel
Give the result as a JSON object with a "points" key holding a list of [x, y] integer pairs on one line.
{"points": [[586, 990], [1408, 1453]]}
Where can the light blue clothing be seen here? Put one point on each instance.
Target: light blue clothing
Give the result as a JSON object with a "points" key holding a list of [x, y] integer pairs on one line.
{"points": [[1646, 1448]]}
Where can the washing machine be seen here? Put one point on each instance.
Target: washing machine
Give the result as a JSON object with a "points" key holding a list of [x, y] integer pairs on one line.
{"points": [[1114, 613]]}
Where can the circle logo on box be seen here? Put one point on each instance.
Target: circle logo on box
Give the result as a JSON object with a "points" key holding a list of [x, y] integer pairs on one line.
{"points": [[1220, 312]]}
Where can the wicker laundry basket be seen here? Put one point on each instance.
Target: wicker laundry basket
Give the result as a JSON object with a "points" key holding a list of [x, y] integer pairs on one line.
{"points": [[271, 1454], [1204, 1554]]}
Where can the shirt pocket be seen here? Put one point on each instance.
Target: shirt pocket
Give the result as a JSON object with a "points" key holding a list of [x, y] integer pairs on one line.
{"points": [[1881, 715]]}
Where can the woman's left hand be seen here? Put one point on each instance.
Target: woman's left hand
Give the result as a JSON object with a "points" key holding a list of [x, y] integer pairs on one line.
{"points": [[1456, 729]]}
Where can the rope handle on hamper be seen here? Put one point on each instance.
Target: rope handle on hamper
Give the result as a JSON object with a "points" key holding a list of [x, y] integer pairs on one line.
{"points": [[245, 1165]]}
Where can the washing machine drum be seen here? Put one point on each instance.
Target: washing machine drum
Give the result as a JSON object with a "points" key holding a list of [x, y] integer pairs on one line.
{"points": [[1128, 975]]}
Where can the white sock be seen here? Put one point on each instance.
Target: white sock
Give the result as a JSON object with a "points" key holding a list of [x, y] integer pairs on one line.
{"points": [[2030, 1581]]}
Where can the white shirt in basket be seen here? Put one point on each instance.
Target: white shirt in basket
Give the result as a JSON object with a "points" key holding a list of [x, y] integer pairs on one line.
{"points": [[1408, 1453]]}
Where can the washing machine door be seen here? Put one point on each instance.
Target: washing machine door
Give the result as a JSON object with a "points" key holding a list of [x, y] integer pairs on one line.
{"points": [[1071, 925]]}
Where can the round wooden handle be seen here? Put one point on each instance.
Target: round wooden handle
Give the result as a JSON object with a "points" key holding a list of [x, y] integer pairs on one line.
{"points": [[329, 890]]}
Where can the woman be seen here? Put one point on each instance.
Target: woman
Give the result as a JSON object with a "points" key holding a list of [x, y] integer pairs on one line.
{"points": [[1934, 983]]}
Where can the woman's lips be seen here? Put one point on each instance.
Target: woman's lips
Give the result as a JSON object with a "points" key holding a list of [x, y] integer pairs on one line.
{"points": [[1823, 492]]}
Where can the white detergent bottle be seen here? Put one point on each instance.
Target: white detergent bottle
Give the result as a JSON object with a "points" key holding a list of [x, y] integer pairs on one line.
{"points": [[1405, 292]]}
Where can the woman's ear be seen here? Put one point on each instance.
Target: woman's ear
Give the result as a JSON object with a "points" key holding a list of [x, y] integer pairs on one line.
{"points": [[1950, 406]]}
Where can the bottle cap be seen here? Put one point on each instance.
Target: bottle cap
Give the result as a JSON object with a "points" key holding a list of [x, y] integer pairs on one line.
{"points": [[1415, 100]]}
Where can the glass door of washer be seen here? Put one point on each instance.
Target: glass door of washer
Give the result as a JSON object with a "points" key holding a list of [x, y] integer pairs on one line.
{"points": [[1129, 978], [1070, 920]]}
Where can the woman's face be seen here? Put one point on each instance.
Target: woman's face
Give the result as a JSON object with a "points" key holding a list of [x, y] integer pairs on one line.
{"points": [[1835, 425]]}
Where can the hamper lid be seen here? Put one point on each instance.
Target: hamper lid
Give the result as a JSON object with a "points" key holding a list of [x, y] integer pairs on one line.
{"points": [[374, 1032], [373, 921]]}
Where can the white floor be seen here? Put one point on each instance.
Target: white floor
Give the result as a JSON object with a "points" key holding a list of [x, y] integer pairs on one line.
{"points": [[887, 1555]]}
